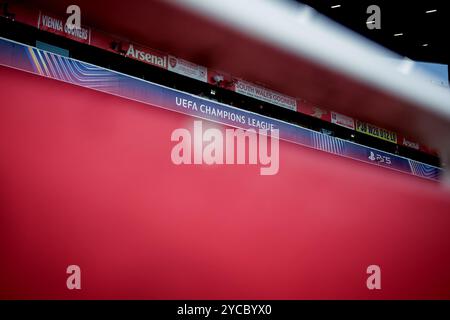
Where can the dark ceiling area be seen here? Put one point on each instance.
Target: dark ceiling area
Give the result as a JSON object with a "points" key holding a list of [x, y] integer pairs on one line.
{"points": [[418, 30]]}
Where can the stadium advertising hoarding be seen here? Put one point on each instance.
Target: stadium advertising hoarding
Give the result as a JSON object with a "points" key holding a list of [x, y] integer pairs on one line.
{"points": [[146, 55], [263, 94], [188, 69], [342, 120], [413, 144], [313, 111], [375, 131], [56, 25]]}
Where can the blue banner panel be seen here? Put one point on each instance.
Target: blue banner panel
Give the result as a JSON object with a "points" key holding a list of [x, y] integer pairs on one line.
{"points": [[47, 64]]}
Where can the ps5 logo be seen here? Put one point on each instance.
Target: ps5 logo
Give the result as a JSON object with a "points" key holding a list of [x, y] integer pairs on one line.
{"points": [[379, 158]]}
